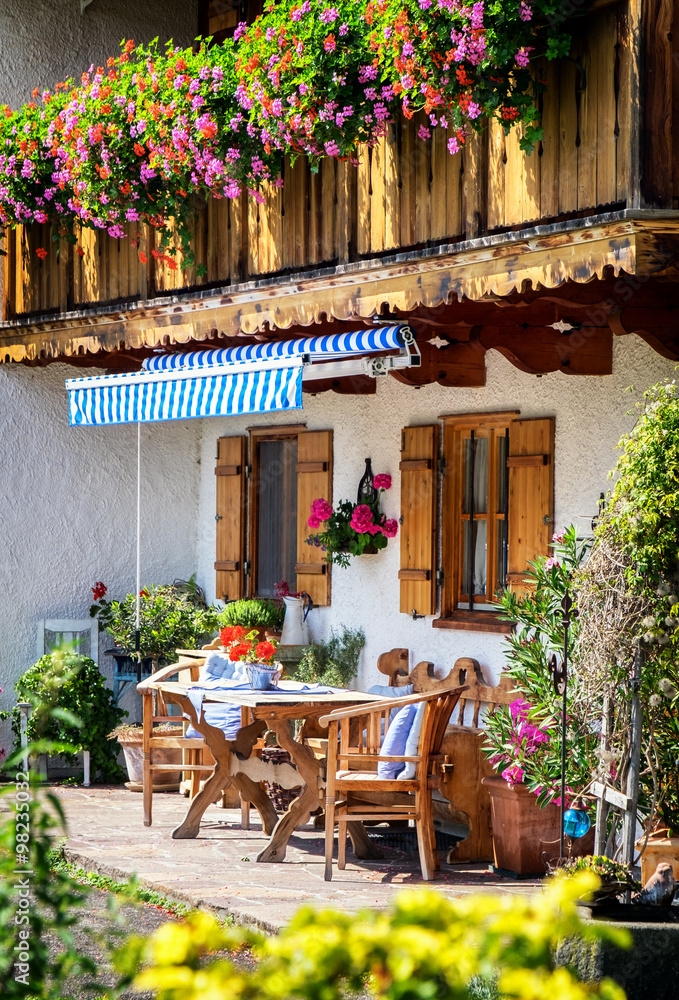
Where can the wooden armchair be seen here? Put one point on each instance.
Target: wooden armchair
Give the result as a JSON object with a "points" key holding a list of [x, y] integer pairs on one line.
{"points": [[354, 741], [197, 761], [462, 801]]}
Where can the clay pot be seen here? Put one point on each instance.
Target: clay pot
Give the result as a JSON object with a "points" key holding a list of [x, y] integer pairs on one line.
{"points": [[131, 744], [525, 836]]}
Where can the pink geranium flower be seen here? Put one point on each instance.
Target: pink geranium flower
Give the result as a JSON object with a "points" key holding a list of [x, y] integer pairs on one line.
{"points": [[362, 518], [382, 481], [321, 509], [390, 527]]}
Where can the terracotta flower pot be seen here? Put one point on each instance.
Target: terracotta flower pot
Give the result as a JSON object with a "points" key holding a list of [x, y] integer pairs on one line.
{"points": [[525, 836], [131, 744]]}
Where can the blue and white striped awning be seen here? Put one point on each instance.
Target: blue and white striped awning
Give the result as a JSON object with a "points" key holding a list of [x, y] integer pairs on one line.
{"points": [[259, 378], [332, 346]]}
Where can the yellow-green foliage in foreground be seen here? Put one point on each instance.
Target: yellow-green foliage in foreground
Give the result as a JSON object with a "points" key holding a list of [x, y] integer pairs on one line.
{"points": [[424, 947]]}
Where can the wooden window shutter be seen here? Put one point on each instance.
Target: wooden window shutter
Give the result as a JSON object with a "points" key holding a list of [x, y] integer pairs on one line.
{"points": [[314, 480], [419, 451], [230, 557], [531, 495]]}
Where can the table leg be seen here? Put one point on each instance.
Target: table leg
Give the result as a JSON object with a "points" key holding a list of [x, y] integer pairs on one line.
{"points": [[362, 845], [209, 793], [251, 792], [307, 801], [298, 813]]}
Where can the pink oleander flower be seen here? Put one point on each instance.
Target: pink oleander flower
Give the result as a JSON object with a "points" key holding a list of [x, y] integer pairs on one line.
{"points": [[519, 710], [513, 775], [552, 563], [390, 527], [382, 481], [362, 518], [559, 537]]}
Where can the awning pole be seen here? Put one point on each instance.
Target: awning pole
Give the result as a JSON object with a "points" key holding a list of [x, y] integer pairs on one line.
{"points": [[137, 632]]}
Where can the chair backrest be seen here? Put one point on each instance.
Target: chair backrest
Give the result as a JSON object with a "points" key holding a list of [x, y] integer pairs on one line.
{"points": [[437, 714], [363, 735]]}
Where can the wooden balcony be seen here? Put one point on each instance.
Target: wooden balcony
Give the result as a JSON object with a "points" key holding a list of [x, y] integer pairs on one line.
{"points": [[411, 198]]}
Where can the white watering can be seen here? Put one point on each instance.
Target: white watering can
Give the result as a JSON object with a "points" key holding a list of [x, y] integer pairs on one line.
{"points": [[295, 629]]}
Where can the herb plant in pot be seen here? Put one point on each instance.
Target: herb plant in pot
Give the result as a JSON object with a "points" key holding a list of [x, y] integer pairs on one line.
{"points": [[257, 614]]}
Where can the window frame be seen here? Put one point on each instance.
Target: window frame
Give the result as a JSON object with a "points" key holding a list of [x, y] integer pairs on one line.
{"points": [[257, 435], [454, 522]]}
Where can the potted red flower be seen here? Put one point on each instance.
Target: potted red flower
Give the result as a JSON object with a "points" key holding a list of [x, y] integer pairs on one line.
{"points": [[243, 645]]}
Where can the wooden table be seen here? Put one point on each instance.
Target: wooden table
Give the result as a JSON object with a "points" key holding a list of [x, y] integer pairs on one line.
{"points": [[236, 763]]}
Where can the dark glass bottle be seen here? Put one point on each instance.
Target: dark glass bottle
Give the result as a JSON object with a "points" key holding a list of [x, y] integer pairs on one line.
{"points": [[366, 491]]}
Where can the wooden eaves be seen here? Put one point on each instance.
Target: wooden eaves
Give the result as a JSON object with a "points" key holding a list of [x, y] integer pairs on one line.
{"points": [[641, 243]]}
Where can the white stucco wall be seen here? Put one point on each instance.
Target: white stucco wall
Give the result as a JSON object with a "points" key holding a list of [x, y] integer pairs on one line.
{"points": [[590, 418], [68, 496], [68, 511], [45, 41]]}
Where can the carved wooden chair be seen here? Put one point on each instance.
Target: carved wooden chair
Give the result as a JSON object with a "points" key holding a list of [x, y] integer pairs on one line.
{"points": [[197, 761], [462, 802], [354, 741]]}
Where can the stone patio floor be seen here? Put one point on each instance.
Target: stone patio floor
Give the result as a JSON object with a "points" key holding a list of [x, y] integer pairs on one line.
{"points": [[218, 869]]}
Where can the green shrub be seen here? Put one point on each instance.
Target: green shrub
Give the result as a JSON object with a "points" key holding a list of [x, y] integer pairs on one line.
{"points": [[334, 662], [256, 612], [170, 618], [72, 707]]}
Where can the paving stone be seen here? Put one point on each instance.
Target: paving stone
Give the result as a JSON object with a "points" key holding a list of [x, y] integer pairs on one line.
{"points": [[219, 869]]}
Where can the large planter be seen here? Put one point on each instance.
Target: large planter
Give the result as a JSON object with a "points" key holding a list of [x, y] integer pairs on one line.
{"points": [[526, 837], [131, 744]]}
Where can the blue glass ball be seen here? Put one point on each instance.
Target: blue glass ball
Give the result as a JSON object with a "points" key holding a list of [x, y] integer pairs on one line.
{"points": [[576, 822]]}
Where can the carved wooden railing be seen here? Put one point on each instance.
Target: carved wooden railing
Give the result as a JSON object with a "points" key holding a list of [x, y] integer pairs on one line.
{"points": [[404, 193]]}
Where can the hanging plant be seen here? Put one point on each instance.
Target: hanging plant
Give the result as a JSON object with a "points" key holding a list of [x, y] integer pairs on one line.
{"points": [[136, 140], [352, 528]]}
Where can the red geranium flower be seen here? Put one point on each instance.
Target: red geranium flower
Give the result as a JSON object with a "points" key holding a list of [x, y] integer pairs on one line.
{"points": [[264, 651], [99, 590], [231, 634], [239, 651]]}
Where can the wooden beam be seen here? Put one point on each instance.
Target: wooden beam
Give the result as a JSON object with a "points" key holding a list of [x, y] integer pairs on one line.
{"points": [[645, 245]]}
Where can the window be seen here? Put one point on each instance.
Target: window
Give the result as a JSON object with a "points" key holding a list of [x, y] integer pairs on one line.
{"points": [[475, 512], [274, 512], [265, 485], [81, 634], [496, 512]]}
